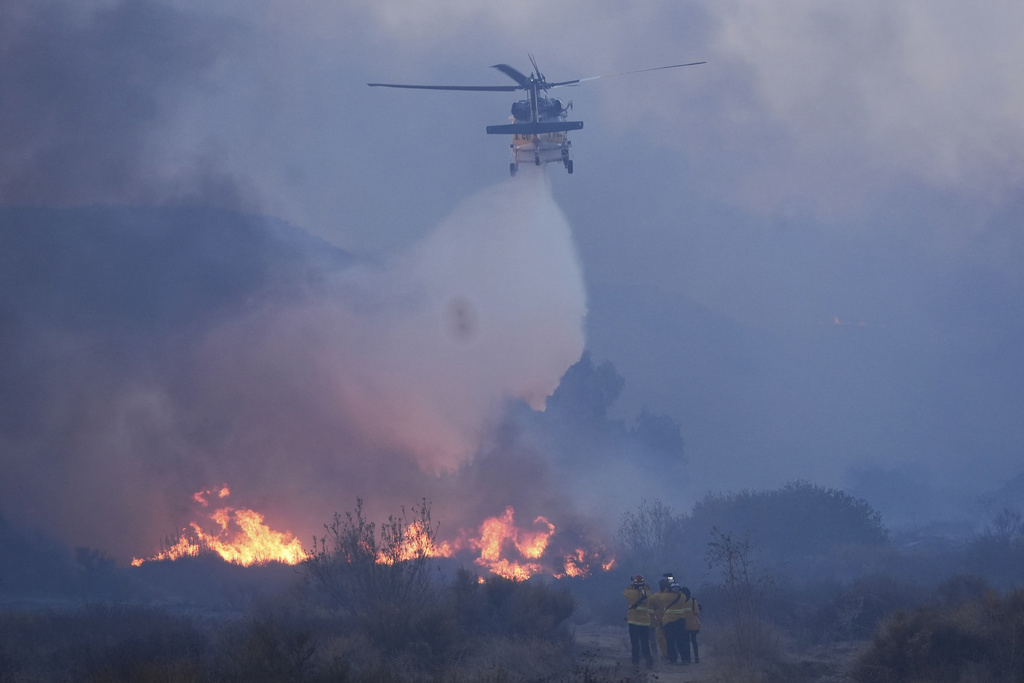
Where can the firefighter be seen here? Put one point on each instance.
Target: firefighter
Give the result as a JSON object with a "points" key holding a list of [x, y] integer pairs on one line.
{"points": [[671, 606], [692, 618], [659, 614], [638, 616]]}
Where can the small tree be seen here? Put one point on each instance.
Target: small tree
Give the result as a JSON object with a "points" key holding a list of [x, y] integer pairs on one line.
{"points": [[997, 552], [746, 584], [382, 580], [651, 534]]}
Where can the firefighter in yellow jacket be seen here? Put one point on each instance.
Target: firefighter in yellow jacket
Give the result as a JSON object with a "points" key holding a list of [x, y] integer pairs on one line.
{"points": [[671, 606], [657, 625], [638, 616], [691, 611]]}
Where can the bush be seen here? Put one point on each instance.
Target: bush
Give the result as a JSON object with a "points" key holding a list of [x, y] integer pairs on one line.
{"points": [[797, 520], [377, 587], [998, 551], [652, 535], [961, 589], [845, 612], [745, 582], [381, 581], [100, 642], [273, 643], [976, 641], [523, 608]]}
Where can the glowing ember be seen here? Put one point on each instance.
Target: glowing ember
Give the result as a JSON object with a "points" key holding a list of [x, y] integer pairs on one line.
{"points": [[241, 538]]}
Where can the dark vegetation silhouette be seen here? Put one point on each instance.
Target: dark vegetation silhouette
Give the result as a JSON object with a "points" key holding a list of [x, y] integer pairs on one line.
{"points": [[360, 609], [807, 529], [582, 437], [346, 615], [998, 551], [746, 584], [804, 566], [369, 575], [956, 637], [650, 536]]}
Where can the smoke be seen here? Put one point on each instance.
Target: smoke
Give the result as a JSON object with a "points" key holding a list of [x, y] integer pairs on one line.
{"points": [[159, 360], [90, 88]]}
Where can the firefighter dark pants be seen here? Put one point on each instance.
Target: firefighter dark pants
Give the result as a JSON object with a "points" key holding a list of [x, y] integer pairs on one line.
{"points": [[675, 640], [691, 639], [640, 643]]}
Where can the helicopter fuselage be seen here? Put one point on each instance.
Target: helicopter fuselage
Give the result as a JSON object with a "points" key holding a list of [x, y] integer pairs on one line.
{"points": [[539, 132]]}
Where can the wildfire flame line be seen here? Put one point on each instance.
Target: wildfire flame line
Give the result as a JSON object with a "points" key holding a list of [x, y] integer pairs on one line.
{"points": [[241, 536], [510, 551]]}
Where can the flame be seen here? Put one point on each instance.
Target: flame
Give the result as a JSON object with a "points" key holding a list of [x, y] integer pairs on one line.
{"points": [[582, 563], [417, 543], [200, 496], [574, 563], [516, 553], [242, 538], [507, 550], [500, 534]]}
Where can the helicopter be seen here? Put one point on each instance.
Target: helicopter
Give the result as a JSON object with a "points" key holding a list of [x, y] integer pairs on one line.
{"points": [[539, 126]]}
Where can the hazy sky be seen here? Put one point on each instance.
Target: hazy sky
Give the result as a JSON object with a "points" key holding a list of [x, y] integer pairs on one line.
{"points": [[808, 251]]}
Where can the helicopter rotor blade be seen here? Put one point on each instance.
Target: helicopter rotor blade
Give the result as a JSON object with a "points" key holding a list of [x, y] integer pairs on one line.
{"points": [[514, 74], [477, 88], [622, 73], [525, 83]]}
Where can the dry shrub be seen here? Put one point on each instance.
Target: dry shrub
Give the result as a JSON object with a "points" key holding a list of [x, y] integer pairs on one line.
{"points": [[352, 658], [853, 611], [746, 583], [466, 631], [268, 647], [980, 640], [960, 589], [101, 642]]}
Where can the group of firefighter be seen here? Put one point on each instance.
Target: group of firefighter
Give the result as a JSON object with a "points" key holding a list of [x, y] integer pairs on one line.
{"points": [[672, 613]]}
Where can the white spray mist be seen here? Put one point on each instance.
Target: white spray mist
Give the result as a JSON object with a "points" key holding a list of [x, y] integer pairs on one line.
{"points": [[488, 306]]}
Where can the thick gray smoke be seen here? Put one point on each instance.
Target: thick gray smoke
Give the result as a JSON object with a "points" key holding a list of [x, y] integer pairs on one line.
{"points": [[88, 87], [150, 355]]}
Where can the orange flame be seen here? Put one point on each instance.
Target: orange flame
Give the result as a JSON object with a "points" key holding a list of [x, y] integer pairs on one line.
{"points": [[515, 553], [581, 563], [417, 543], [500, 534], [242, 538]]}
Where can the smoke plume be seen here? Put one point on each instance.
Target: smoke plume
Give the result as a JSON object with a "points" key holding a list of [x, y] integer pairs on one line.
{"points": [[149, 354]]}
